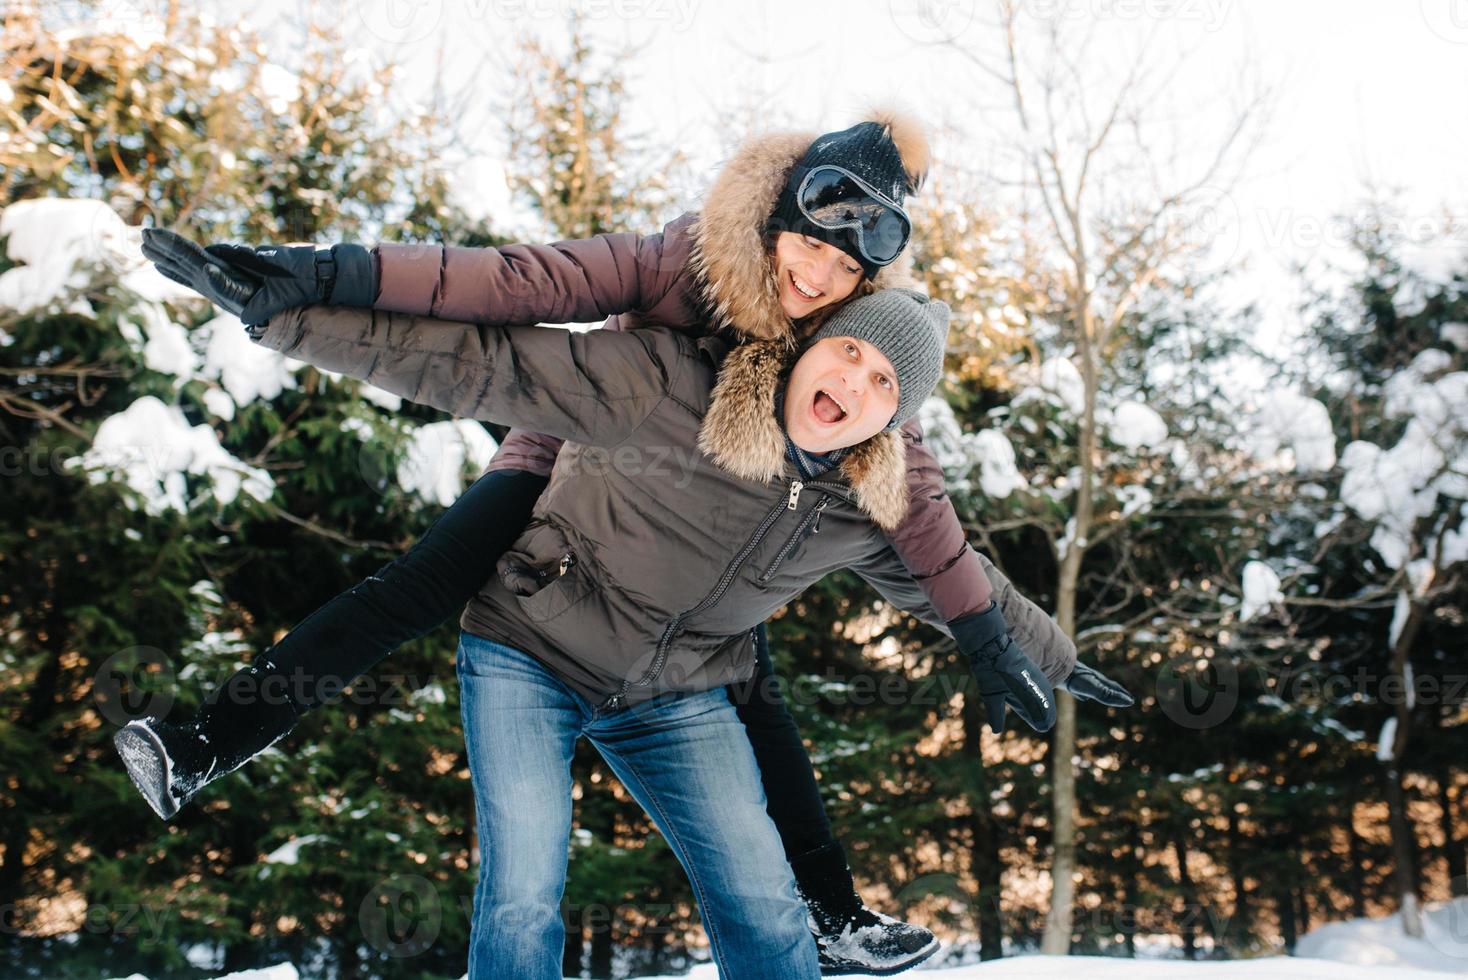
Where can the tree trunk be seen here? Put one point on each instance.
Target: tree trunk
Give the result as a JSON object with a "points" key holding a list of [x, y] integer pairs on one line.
{"points": [[1284, 901], [1355, 863], [1059, 923], [601, 952], [1241, 926], [1453, 850], [1404, 837], [984, 834], [1403, 866], [1302, 897], [1185, 888], [575, 940]]}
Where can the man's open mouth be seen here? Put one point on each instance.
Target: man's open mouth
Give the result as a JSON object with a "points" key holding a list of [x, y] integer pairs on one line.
{"points": [[827, 408]]}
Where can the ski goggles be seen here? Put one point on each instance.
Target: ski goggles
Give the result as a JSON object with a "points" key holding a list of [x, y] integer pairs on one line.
{"points": [[837, 200]]}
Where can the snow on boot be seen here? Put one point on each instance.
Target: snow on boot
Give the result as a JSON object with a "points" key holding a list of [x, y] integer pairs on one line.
{"points": [[169, 762], [852, 938]]}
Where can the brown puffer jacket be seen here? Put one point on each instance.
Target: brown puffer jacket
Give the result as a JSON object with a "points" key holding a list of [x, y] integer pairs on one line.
{"points": [[673, 523], [703, 273]]}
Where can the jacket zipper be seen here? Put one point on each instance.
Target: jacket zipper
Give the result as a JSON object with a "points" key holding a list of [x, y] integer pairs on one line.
{"points": [[812, 520], [648, 676]]}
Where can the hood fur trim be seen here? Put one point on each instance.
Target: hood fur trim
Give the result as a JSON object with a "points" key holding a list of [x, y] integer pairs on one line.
{"points": [[741, 434], [734, 278], [728, 259]]}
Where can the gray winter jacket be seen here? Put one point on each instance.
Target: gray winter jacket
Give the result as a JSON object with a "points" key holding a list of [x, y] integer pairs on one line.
{"points": [[673, 523]]}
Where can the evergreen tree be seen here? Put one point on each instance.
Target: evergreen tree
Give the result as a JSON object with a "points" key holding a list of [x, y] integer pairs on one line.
{"points": [[178, 499]]}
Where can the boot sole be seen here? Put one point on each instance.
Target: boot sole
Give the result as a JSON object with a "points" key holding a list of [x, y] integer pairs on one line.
{"points": [[147, 763], [851, 969]]}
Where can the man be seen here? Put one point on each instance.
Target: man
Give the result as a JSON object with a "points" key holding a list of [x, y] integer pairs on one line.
{"points": [[631, 598]]}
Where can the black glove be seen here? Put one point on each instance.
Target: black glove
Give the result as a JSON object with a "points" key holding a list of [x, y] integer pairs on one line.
{"points": [[1006, 674], [1089, 684], [256, 283]]}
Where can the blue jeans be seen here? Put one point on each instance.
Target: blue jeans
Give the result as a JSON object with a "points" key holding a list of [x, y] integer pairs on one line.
{"points": [[685, 758]]}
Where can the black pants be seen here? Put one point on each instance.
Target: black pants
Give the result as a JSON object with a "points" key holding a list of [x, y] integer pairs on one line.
{"points": [[433, 580]]}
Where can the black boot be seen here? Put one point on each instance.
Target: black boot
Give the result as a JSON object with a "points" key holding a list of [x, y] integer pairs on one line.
{"points": [[169, 762], [852, 938]]}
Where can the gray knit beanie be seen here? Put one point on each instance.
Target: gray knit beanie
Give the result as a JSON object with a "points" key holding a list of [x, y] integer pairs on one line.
{"points": [[909, 328]]}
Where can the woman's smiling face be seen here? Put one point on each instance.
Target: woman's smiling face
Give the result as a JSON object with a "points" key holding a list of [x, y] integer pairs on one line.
{"points": [[841, 392], [812, 274]]}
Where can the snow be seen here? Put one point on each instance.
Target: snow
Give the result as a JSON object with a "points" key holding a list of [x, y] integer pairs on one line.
{"points": [[167, 348], [152, 447], [1382, 944], [59, 243], [282, 971], [1292, 431], [219, 404], [1059, 383], [438, 456], [1396, 486], [1261, 590], [280, 87], [1134, 499], [383, 399], [431, 693], [998, 475], [1455, 542], [1356, 949], [1455, 334], [1385, 742], [245, 369], [1399, 618], [290, 851], [1136, 426], [960, 453]]}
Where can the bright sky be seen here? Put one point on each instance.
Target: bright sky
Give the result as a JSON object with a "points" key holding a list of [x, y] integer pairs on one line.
{"points": [[1366, 90]]}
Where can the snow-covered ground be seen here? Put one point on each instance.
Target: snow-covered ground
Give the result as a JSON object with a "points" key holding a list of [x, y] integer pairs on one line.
{"points": [[1357, 949]]}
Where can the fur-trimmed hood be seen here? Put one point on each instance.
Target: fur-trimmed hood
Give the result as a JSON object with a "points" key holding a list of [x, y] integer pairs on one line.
{"points": [[729, 262], [736, 283], [742, 435]]}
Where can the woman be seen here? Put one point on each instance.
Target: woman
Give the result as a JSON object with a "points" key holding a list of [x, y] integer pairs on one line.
{"points": [[756, 262]]}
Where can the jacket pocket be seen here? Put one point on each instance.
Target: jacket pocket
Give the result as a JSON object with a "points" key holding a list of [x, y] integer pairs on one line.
{"points": [[546, 573]]}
